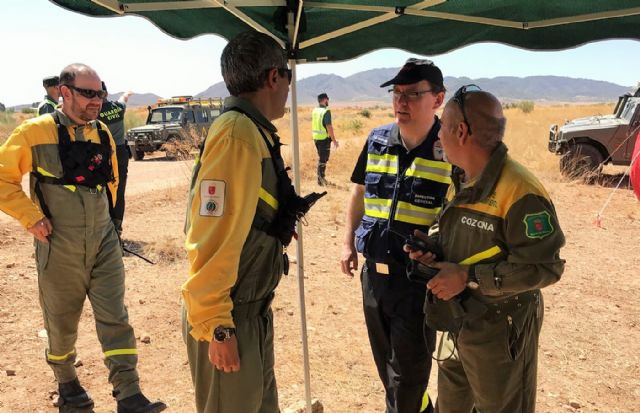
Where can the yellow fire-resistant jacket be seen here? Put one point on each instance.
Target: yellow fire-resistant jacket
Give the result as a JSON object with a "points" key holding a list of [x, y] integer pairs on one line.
{"points": [[231, 263], [33, 147]]}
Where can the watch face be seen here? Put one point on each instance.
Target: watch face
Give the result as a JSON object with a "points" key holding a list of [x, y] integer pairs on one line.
{"points": [[219, 334]]}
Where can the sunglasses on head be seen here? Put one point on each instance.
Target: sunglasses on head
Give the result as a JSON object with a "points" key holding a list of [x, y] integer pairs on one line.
{"points": [[88, 93], [458, 97]]}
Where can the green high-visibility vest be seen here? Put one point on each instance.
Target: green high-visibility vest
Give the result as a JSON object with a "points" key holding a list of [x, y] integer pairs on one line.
{"points": [[317, 128]]}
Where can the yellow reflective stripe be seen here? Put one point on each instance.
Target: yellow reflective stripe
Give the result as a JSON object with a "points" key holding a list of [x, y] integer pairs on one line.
{"points": [[493, 251], [99, 187], [71, 188], [386, 163], [45, 173], [268, 198], [433, 170], [58, 358], [413, 214], [121, 352], [377, 207], [425, 401]]}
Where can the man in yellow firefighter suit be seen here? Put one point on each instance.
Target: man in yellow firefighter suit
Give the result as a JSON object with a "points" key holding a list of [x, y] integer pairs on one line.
{"points": [[72, 162], [235, 264], [500, 241]]}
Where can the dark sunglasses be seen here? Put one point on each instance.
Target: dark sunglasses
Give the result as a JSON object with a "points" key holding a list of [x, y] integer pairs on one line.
{"points": [[458, 97], [283, 70], [89, 93]]}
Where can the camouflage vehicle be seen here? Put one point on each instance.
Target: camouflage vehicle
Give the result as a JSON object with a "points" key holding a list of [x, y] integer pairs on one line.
{"points": [[586, 144], [177, 122]]}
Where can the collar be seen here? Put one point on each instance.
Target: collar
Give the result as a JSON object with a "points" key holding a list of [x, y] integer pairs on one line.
{"points": [[486, 182], [66, 121], [395, 139], [50, 99], [234, 101]]}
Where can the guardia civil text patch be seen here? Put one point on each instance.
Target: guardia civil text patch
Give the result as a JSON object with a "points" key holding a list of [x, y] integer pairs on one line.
{"points": [[538, 225], [212, 198]]}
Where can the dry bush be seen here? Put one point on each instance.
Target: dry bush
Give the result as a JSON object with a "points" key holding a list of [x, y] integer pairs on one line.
{"points": [[166, 250]]}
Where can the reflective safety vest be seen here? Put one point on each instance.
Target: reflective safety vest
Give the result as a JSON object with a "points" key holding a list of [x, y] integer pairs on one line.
{"points": [[47, 106], [403, 192], [317, 128]]}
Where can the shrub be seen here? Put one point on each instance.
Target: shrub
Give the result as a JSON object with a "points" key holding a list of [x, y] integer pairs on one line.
{"points": [[526, 106], [365, 113], [354, 124]]}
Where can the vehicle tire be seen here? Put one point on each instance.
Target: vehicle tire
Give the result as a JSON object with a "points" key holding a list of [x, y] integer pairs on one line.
{"points": [[138, 155], [581, 161]]}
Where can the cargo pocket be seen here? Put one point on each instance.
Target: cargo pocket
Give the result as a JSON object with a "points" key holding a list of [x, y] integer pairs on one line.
{"points": [[515, 336], [42, 255], [362, 235]]}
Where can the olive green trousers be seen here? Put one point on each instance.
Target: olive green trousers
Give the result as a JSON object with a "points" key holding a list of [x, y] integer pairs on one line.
{"points": [[495, 366], [83, 260]]}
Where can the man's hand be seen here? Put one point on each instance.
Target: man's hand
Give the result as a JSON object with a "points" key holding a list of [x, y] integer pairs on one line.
{"points": [[224, 356], [349, 259], [426, 258], [335, 144], [450, 281], [41, 230]]}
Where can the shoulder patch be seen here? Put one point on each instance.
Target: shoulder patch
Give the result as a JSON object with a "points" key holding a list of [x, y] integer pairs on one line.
{"points": [[538, 225], [212, 194]]}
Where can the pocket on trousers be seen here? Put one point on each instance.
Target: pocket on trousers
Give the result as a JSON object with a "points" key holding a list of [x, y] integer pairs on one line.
{"points": [[42, 255], [515, 336]]}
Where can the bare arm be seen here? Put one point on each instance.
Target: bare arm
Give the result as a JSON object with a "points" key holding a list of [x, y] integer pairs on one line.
{"points": [[355, 212], [331, 134]]}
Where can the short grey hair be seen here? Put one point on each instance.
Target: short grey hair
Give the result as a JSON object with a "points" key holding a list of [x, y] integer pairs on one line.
{"points": [[69, 73], [247, 58]]}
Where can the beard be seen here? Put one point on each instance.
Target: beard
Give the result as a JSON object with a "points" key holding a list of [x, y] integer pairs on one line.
{"points": [[87, 113]]}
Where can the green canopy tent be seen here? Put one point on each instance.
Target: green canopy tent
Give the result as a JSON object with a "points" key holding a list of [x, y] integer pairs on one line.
{"points": [[335, 30]]}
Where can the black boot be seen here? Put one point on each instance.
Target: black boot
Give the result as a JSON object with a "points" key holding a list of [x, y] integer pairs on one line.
{"points": [[139, 404], [74, 398]]}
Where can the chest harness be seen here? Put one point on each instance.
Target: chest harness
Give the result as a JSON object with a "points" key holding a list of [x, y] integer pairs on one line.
{"points": [[83, 163], [291, 206]]}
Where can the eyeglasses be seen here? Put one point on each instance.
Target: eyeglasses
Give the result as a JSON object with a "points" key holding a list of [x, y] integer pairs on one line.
{"points": [[89, 93], [408, 95], [458, 97], [283, 70]]}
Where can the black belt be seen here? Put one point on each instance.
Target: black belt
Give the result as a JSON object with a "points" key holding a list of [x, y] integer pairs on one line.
{"points": [[252, 309], [513, 303]]}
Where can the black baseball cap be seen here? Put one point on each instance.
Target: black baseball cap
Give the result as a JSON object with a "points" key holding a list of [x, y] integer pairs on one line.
{"points": [[51, 81], [415, 70]]}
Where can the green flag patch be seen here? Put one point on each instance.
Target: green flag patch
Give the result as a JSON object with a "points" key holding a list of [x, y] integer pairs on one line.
{"points": [[538, 225]]}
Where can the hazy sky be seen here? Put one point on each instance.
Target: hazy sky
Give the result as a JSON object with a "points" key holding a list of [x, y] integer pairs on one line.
{"points": [[129, 53]]}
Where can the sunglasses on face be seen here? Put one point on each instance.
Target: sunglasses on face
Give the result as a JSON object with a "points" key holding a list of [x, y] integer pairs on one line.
{"points": [[458, 97], [283, 70], [88, 93], [397, 95]]}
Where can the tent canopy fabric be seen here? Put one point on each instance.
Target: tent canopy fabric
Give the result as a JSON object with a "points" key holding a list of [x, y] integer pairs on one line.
{"points": [[335, 30]]}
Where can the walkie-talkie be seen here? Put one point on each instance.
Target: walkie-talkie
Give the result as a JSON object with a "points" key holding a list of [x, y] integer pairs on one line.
{"points": [[416, 271]]}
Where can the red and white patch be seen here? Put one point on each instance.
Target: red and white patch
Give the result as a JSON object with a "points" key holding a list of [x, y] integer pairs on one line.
{"points": [[438, 152], [212, 198]]}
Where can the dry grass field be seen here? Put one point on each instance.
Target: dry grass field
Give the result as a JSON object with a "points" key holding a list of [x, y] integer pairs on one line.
{"points": [[590, 343]]}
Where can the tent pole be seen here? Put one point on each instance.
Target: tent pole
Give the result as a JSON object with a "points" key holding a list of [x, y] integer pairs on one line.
{"points": [[295, 149]]}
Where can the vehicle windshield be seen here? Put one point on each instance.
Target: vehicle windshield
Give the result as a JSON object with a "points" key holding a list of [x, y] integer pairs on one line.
{"points": [[165, 115], [629, 109]]}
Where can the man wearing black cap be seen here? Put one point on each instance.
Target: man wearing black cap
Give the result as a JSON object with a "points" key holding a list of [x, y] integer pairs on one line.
{"points": [[400, 181], [50, 102], [323, 135]]}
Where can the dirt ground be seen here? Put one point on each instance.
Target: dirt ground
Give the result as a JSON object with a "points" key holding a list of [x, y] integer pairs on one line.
{"points": [[589, 348]]}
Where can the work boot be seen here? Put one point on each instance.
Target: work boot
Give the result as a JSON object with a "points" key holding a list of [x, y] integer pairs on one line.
{"points": [[139, 404], [322, 181], [74, 398]]}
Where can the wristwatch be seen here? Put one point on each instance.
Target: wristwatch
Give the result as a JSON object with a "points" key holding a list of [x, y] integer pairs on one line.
{"points": [[221, 334], [472, 280]]}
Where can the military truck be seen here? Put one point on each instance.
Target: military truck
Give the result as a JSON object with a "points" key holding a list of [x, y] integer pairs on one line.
{"points": [[175, 124], [586, 144]]}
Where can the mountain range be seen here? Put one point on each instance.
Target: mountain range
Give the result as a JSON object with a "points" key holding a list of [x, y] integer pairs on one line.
{"points": [[365, 87]]}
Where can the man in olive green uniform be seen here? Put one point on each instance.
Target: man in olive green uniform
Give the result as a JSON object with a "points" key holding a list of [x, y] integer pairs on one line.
{"points": [[112, 114], [235, 265], [50, 102], [71, 159], [501, 239]]}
